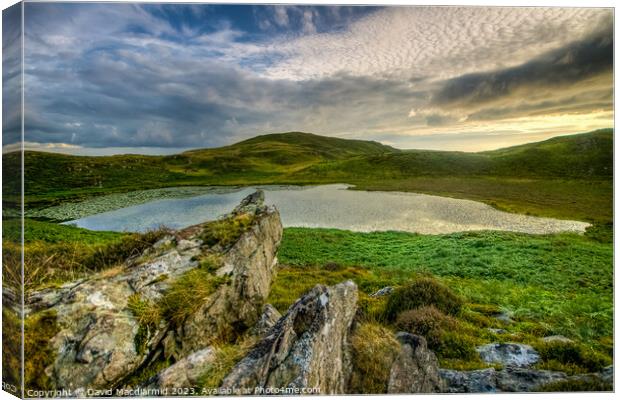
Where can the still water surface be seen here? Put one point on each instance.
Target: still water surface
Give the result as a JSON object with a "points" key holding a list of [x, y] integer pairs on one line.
{"points": [[332, 206]]}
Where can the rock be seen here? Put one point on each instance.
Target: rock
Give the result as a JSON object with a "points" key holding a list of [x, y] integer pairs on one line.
{"points": [[100, 342], [383, 292], [415, 369], [556, 338], [497, 331], [251, 204], [307, 348], [186, 372], [268, 319], [504, 317], [514, 379], [478, 381], [510, 379], [234, 307], [607, 374], [513, 354]]}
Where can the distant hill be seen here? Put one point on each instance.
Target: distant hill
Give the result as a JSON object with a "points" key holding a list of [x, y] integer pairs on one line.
{"points": [[586, 155], [304, 158]]}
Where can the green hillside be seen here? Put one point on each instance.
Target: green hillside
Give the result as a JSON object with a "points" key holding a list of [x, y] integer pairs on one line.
{"points": [[587, 155], [567, 177]]}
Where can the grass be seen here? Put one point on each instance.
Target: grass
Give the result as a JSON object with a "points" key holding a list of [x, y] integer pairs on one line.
{"points": [[549, 284], [11, 350], [54, 254], [226, 356], [374, 349], [38, 330], [225, 232]]}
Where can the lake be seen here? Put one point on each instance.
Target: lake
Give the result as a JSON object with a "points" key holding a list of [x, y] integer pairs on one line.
{"points": [[332, 206]]}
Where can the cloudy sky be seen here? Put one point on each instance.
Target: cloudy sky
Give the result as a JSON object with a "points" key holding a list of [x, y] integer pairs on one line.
{"points": [[159, 78]]}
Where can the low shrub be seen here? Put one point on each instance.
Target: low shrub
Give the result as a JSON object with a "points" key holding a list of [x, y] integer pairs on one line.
{"points": [[374, 349], [572, 355], [426, 321], [421, 292], [456, 345]]}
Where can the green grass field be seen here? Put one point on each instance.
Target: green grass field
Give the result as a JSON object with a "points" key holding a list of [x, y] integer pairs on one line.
{"points": [[563, 281]]}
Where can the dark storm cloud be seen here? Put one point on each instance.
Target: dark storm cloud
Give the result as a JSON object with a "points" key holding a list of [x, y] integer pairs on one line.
{"points": [[566, 66], [11, 74], [104, 102]]}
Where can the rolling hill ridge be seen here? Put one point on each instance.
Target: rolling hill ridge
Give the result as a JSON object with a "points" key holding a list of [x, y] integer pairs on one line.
{"points": [[303, 158]]}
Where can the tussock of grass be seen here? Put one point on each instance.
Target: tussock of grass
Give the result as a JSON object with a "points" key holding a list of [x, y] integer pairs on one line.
{"points": [[426, 321], [227, 231], [226, 356], [187, 294], [210, 262], [457, 345], [374, 350], [54, 254], [11, 348], [571, 357], [421, 292], [182, 299], [38, 330]]}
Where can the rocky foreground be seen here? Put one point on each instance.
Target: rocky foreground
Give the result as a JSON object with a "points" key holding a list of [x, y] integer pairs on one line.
{"points": [[112, 329]]}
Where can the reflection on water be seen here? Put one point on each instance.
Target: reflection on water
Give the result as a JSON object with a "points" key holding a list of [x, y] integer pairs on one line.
{"points": [[333, 206]]}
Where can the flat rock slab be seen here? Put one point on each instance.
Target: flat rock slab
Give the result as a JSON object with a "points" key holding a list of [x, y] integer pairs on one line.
{"points": [[508, 354]]}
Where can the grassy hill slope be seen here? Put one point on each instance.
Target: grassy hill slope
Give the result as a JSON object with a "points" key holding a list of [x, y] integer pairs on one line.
{"points": [[569, 176]]}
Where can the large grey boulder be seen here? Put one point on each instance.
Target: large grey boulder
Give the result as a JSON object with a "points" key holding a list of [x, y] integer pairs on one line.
{"points": [[307, 348], [513, 354], [100, 342], [415, 369]]}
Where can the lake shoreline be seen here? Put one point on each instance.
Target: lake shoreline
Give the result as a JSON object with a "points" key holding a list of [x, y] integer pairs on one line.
{"points": [[317, 206]]}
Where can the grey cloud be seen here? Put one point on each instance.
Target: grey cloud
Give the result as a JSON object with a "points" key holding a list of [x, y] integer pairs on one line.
{"points": [[562, 67], [11, 74]]}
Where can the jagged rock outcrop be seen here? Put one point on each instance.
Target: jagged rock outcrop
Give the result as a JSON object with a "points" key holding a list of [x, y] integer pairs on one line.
{"points": [[100, 342], [307, 348], [250, 263], [415, 369]]}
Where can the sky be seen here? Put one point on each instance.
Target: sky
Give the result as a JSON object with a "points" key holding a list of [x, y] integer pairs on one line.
{"points": [[158, 79]]}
